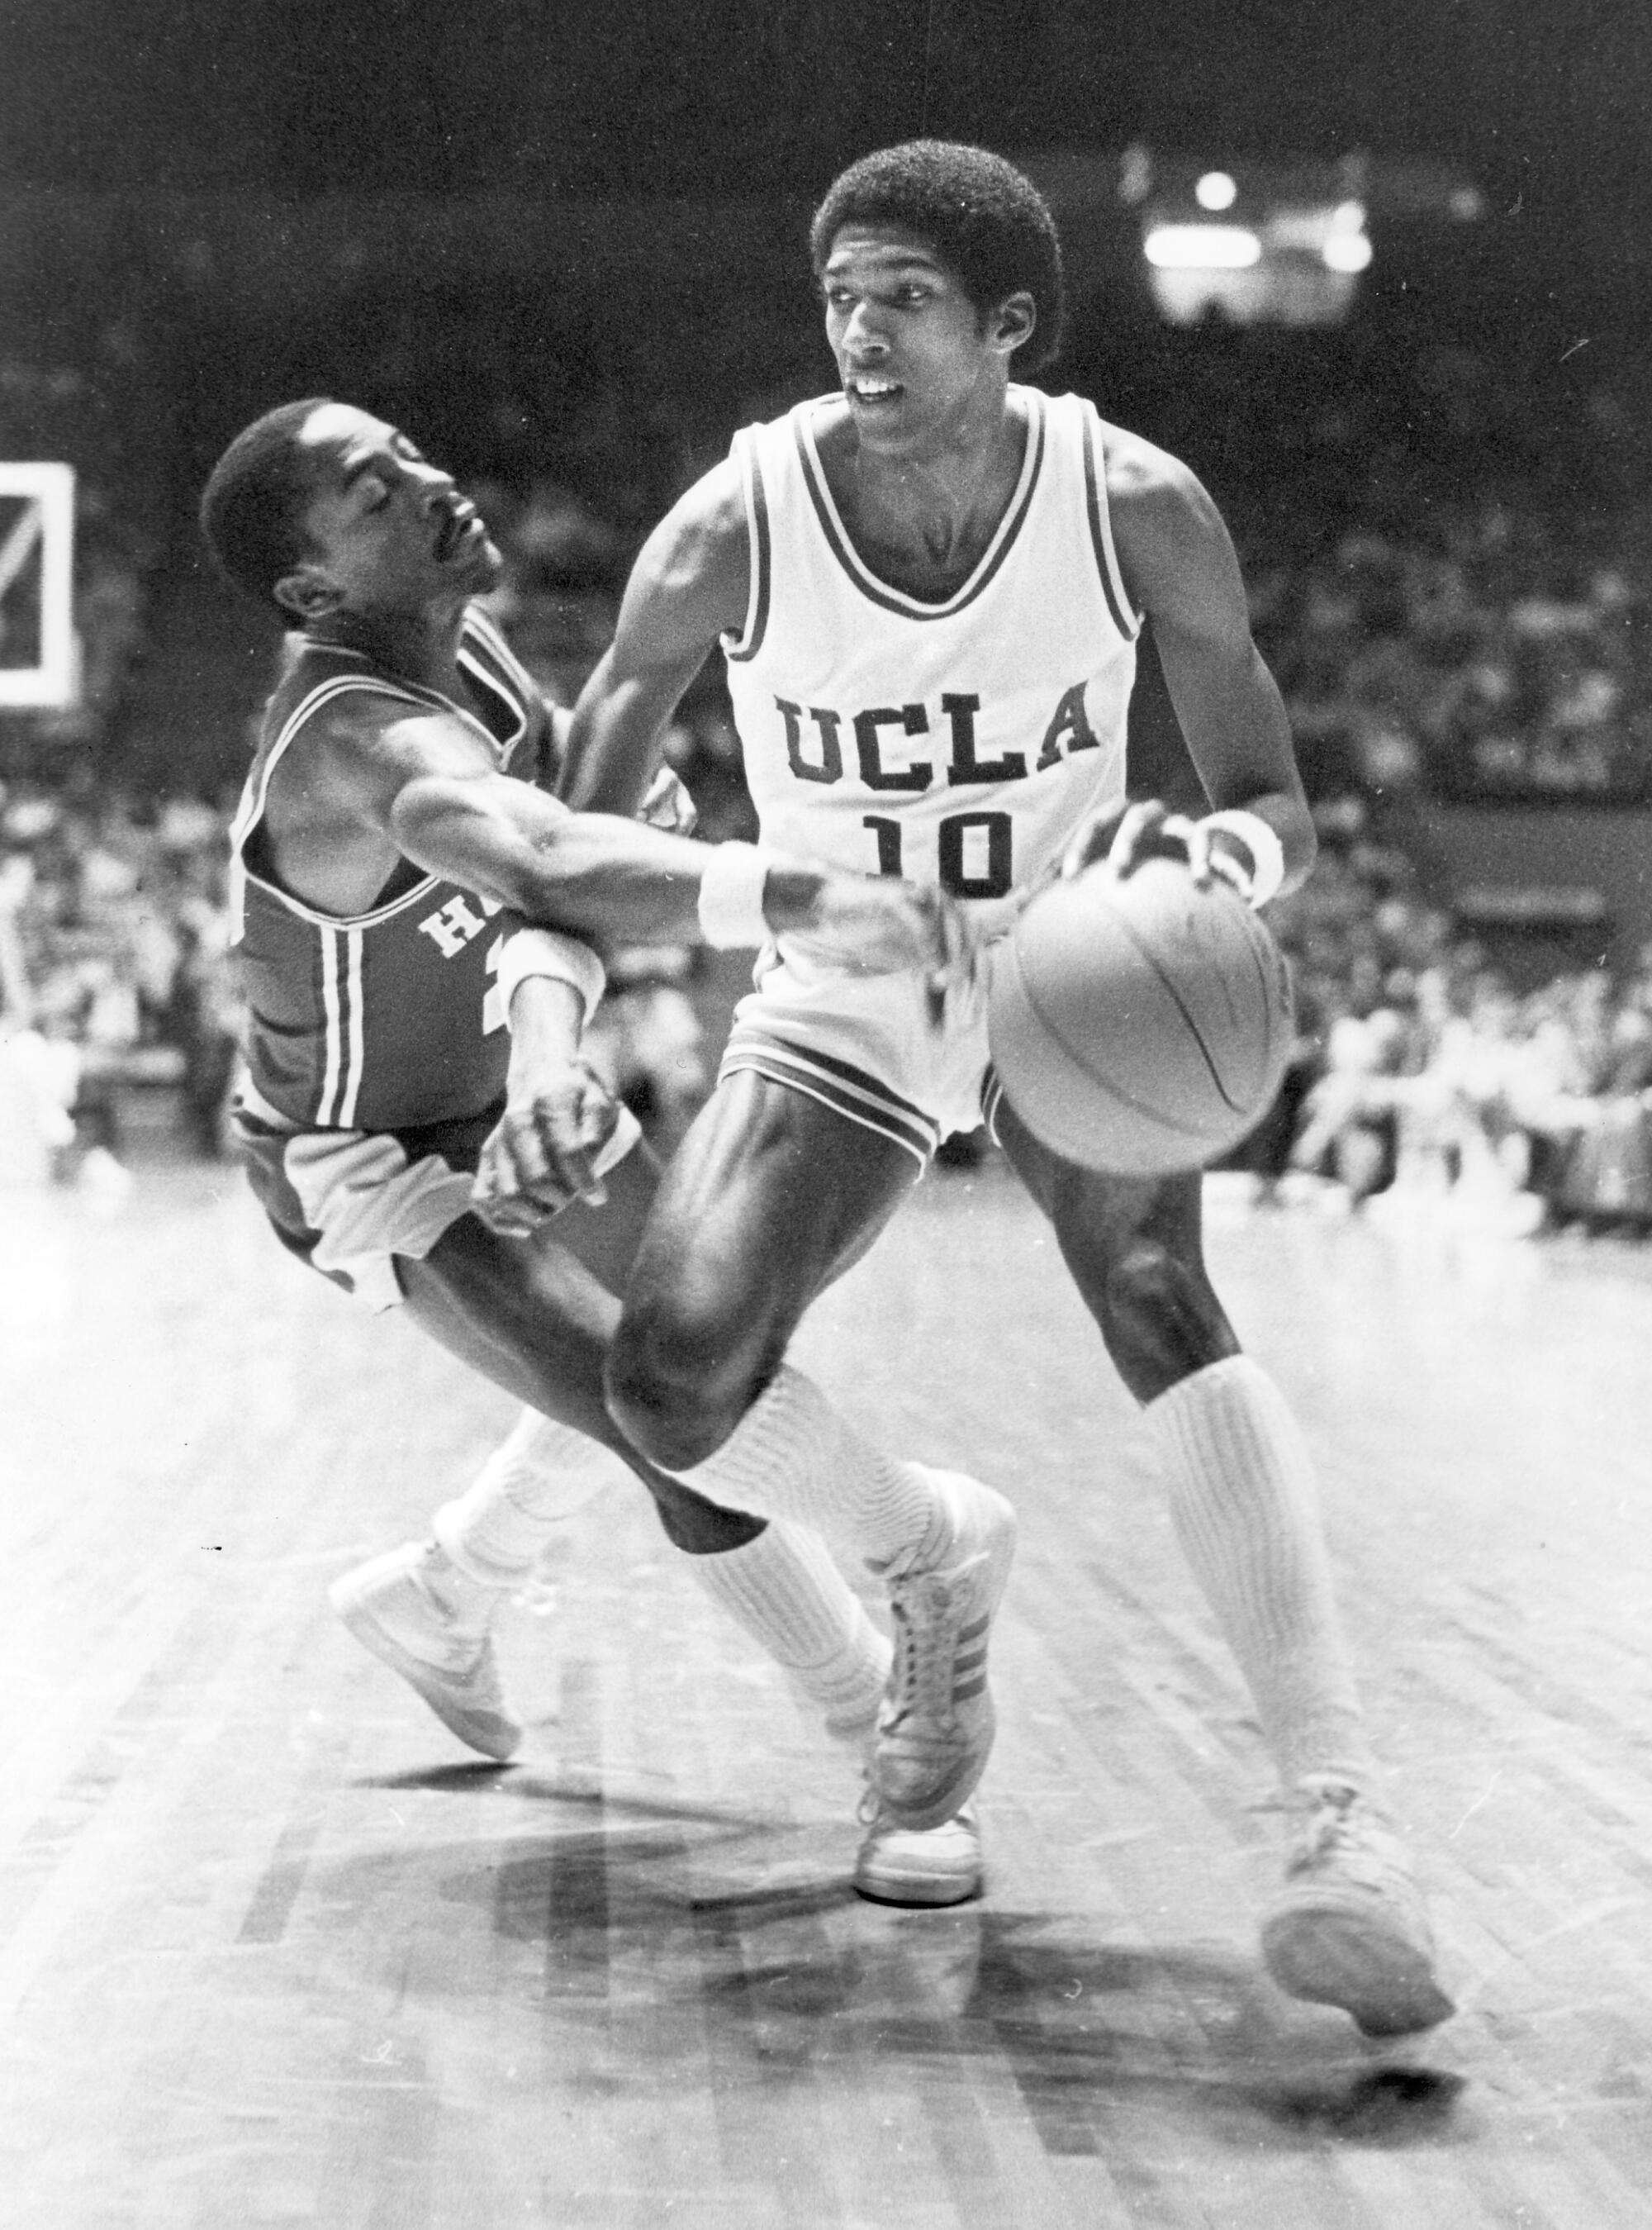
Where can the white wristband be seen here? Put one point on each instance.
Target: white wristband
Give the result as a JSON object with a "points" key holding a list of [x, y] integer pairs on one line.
{"points": [[548, 952], [731, 896], [1267, 853]]}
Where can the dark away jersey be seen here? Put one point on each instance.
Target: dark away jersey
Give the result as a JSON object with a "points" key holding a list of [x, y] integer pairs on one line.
{"points": [[390, 1018]]}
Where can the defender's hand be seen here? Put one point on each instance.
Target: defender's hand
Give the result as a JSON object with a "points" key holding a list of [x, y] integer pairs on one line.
{"points": [[879, 925], [666, 804], [1125, 835], [540, 1157], [874, 925]]}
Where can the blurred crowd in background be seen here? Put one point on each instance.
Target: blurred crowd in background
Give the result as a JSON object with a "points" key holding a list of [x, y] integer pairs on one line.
{"points": [[1420, 1065], [1453, 599]]}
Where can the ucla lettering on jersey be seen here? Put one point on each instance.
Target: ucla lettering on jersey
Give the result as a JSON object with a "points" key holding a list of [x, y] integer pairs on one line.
{"points": [[957, 742], [388, 1019]]}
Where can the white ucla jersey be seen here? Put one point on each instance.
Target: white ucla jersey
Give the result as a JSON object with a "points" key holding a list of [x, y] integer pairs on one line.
{"points": [[955, 742]]}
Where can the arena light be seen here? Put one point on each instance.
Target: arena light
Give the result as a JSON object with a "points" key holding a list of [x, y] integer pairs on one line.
{"points": [[1202, 247], [1216, 191], [1346, 251]]}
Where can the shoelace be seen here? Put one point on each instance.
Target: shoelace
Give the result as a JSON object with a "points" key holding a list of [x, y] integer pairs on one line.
{"points": [[925, 1656], [1341, 1829], [1329, 1830]]}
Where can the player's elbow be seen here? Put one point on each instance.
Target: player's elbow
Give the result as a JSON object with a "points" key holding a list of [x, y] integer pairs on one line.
{"points": [[429, 822]]}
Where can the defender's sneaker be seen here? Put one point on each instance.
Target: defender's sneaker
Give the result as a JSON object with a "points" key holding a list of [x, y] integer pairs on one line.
{"points": [[901, 1865], [936, 1725], [1349, 1928], [398, 1606]]}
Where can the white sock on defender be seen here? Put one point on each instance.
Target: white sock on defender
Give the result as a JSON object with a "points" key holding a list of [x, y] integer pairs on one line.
{"points": [[1246, 1510], [791, 1455], [537, 1478], [784, 1588]]}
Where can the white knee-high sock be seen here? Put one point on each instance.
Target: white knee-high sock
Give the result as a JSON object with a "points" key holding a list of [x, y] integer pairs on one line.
{"points": [[1245, 1505], [784, 1588], [534, 1482], [791, 1455]]}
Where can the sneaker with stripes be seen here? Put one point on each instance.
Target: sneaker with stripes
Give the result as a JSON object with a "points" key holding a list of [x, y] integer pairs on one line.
{"points": [[936, 1725]]}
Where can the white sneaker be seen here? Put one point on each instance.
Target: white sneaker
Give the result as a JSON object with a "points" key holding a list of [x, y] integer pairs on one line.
{"points": [[396, 1606], [1349, 1928], [902, 1865], [935, 1729]]}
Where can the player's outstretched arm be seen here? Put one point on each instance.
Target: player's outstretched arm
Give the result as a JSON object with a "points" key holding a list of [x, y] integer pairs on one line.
{"points": [[690, 585], [1179, 565], [429, 785]]}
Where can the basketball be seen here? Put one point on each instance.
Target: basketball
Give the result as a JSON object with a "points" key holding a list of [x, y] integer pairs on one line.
{"points": [[1140, 1025]]}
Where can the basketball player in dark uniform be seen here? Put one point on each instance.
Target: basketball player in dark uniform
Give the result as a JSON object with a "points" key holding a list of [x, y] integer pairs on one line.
{"points": [[927, 585], [415, 918]]}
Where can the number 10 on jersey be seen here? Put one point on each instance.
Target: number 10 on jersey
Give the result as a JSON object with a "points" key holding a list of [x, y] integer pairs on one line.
{"points": [[973, 852]]}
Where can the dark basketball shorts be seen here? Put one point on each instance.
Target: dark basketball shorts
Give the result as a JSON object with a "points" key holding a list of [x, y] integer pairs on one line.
{"points": [[348, 1202]]}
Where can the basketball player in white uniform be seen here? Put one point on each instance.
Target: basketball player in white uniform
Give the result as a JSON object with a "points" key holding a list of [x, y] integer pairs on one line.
{"points": [[928, 587]]}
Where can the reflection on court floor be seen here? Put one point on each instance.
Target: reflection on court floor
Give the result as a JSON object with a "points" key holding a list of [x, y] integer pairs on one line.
{"points": [[273, 1950]]}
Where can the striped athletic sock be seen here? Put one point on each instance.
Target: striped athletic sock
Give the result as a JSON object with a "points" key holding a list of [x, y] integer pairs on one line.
{"points": [[784, 1588], [537, 1477], [791, 1455], [1245, 1506]]}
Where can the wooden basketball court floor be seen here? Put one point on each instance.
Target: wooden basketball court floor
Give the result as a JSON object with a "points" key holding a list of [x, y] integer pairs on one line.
{"points": [[275, 1950]]}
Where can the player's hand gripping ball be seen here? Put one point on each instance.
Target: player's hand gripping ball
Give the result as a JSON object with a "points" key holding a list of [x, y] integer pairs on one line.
{"points": [[1138, 1024]]}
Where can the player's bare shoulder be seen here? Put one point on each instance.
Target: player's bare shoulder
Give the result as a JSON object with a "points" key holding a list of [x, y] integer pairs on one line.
{"points": [[355, 754], [693, 577], [318, 778], [1148, 489], [1166, 525]]}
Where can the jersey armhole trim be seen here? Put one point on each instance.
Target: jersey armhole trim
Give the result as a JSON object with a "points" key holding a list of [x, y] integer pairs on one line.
{"points": [[1128, 622], [510, 696], [486, 630], [414, 895], [511, 682], [251, 812], [746, 644]]}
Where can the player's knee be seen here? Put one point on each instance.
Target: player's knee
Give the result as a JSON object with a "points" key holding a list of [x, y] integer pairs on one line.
{"points": [[1160, 1318], [1142, 1282], [673, 1389]]}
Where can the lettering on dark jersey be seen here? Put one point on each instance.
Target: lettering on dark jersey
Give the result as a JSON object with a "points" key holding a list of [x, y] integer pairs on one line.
{"points": [[454, 924]]}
